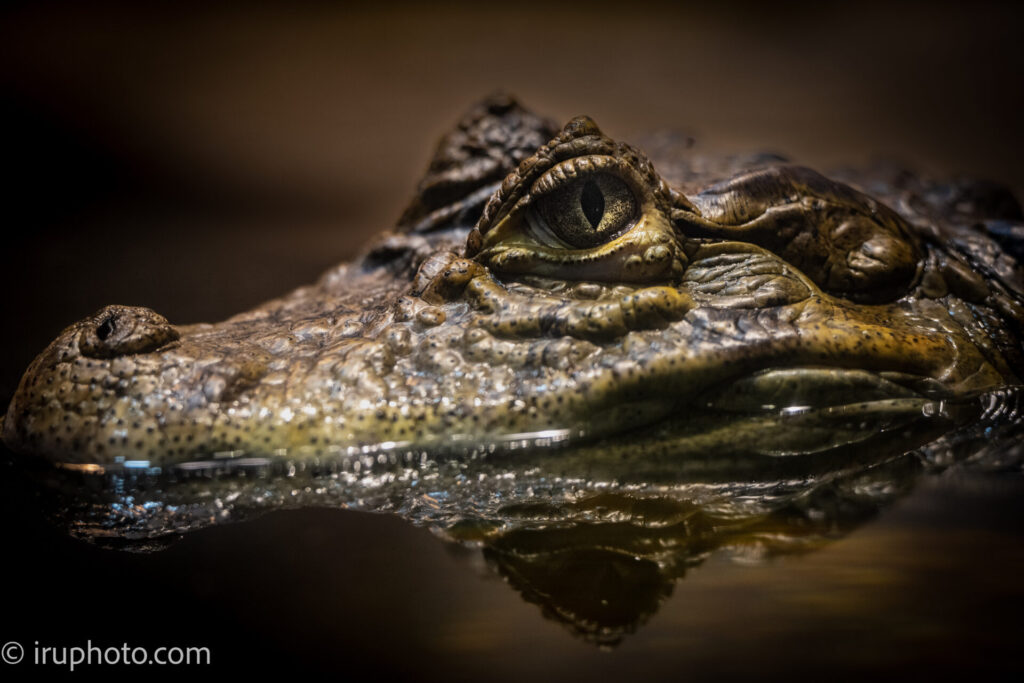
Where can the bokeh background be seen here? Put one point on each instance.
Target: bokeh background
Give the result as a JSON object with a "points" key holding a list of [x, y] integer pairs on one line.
{"points": [[200, 158]]}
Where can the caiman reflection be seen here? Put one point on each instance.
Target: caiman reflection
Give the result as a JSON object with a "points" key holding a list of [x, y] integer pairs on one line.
{"points": [[561, 356]]}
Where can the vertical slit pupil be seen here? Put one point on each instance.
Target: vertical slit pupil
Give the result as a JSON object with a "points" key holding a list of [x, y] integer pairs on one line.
{"points": [[592, 203]]}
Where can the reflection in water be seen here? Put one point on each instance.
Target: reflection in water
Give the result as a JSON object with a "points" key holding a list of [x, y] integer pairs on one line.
{"points": [[596, 534]]}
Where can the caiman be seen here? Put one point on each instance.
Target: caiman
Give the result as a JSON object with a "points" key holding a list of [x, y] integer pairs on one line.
{"points": [[593, 333], [590, 298]]}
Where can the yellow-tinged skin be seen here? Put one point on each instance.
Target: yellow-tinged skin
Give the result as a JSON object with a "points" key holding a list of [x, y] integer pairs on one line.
{"points": [[443, 334]]}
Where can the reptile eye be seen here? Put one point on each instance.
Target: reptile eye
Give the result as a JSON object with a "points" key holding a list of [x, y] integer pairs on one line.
{"points": [[586, 212]]}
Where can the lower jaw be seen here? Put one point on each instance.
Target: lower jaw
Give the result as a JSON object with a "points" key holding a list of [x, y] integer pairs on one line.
{"points": [[806, 405]]}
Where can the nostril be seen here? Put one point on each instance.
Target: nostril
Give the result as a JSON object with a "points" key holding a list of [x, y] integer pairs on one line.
{"points": [[124, 330], [105, 328]]}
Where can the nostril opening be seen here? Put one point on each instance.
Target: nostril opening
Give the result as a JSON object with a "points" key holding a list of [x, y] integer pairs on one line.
{"points": [[123, 330], [105, 328]]}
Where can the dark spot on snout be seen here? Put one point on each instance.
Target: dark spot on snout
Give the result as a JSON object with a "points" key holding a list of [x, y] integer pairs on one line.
{"points": [[124, 330]]}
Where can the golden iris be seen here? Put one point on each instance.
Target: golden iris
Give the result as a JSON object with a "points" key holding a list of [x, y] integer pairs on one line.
{"points": [[586, 212]]}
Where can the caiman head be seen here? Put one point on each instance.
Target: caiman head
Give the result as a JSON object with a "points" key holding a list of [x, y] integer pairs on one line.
{"points": [[580, 297]]}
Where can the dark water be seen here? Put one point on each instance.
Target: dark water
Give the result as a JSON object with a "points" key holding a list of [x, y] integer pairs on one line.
{"points": [[201, 162], [723, 567], [933, 584]]}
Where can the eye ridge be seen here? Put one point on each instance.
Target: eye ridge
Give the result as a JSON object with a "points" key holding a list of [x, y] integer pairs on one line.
{"points": [[592, 203]]}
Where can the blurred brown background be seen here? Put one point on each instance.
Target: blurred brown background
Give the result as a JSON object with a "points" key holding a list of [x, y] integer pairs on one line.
{"points": [[200, 158]]}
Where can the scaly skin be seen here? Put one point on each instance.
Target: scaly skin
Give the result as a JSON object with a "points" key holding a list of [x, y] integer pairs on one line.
{"points": [[766, 288]]}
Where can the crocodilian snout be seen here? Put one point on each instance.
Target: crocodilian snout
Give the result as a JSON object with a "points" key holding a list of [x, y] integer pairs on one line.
{"points": [[78, 378]]}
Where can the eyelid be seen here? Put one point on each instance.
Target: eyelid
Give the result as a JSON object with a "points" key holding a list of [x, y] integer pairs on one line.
{"points": [[570, 170]]}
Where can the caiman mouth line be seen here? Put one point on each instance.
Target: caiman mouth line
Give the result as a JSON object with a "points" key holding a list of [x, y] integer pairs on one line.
{"points": [[787, 412]]}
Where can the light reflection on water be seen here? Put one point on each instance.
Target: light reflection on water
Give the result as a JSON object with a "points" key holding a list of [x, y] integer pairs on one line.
{"points": [[908, 564], [596, 534]]}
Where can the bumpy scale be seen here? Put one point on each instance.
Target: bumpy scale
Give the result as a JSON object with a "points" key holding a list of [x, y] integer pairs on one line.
{"points": [[590, 298]]}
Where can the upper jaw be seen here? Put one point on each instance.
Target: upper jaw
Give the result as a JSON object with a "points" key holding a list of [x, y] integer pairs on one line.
{"points": [[203, 394], [461, 352]]}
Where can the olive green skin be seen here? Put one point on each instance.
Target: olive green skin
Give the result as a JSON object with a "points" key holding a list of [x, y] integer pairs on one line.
{"points": [[747, 286]]}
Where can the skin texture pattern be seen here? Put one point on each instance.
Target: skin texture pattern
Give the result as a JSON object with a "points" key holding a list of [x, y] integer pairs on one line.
{"points": [[549, 280]]}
